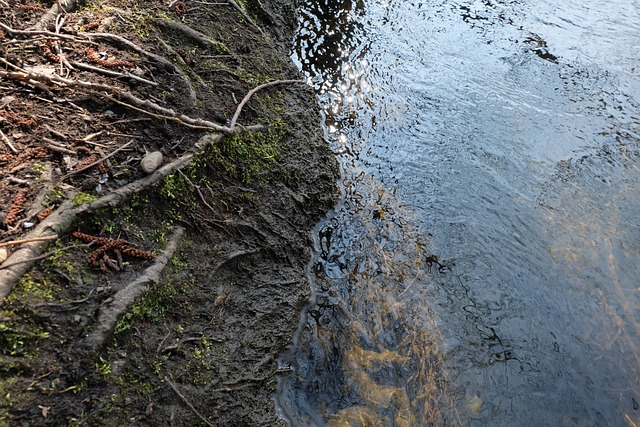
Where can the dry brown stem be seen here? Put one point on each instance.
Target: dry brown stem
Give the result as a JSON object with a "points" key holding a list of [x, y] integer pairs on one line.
{"points": [[19, 242], [35, 33], [7, 142]]}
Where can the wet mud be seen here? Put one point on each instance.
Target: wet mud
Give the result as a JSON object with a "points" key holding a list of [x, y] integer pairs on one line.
{"points": [[199, 347]]}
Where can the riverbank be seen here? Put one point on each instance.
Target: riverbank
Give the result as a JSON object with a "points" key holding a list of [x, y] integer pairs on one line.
{"points": [[95, 87]]}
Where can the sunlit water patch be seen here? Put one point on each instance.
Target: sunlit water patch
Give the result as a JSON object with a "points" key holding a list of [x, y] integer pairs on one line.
{"points": [[482, 265]]}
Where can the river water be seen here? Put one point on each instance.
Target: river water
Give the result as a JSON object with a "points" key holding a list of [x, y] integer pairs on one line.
{"points": [[482, 266]]}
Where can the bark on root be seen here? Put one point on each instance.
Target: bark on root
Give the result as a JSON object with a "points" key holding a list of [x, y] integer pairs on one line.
{"points": [[125, 297], [59, 222]]}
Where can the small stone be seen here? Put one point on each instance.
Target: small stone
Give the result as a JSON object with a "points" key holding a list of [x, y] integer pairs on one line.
{"points": [[151, 161]]}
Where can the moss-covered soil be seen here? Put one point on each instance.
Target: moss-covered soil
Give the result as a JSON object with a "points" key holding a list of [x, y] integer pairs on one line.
{"points": [[199, 346]]}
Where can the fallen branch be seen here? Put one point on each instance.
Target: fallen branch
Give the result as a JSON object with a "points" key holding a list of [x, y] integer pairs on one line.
{"points": [[7, 142], [127, 296], [62, 218], [184, 399]]}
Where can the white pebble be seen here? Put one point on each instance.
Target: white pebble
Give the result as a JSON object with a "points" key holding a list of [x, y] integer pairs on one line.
{"points": [[151, 161]]}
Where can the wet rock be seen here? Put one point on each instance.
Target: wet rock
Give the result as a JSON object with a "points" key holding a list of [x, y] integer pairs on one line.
{"points": [[151, 161]]}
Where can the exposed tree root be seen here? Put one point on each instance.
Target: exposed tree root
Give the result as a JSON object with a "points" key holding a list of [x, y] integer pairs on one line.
{"points": [[237, 7], [227, 259], [197, 36], [127, 296], [111, 73], [167, 65], [193, 96], [248, 96], [62, 6], [34, 32], [186, 401], [143, 106], [61, 220]]}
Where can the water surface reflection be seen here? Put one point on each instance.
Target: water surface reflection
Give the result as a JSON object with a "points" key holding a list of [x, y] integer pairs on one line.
{"points": [[482, 265]]}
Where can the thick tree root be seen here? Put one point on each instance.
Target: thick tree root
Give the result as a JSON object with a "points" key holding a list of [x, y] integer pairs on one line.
{"points": [[61, 219], [127, 296]]}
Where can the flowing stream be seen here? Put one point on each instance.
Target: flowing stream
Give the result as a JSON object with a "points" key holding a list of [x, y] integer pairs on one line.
{"points": [[482, 266]]}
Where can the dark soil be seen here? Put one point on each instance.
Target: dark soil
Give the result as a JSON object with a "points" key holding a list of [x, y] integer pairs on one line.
{"points": [[199, 347]]}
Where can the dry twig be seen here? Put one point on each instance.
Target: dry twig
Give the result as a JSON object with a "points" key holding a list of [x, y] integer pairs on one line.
{"points": [[19, 242], [7, 142], [61, 6], [102, 159], [35, 33]]}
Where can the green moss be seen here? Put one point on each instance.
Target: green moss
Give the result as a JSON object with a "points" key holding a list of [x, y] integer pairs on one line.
{"points": [[152, 306], [55, 196], [38, 167], [82, 197], [61, 260], [103, 367], [250, 157], [137, 21], [29, 289], [18, 338], [174, 187]]}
